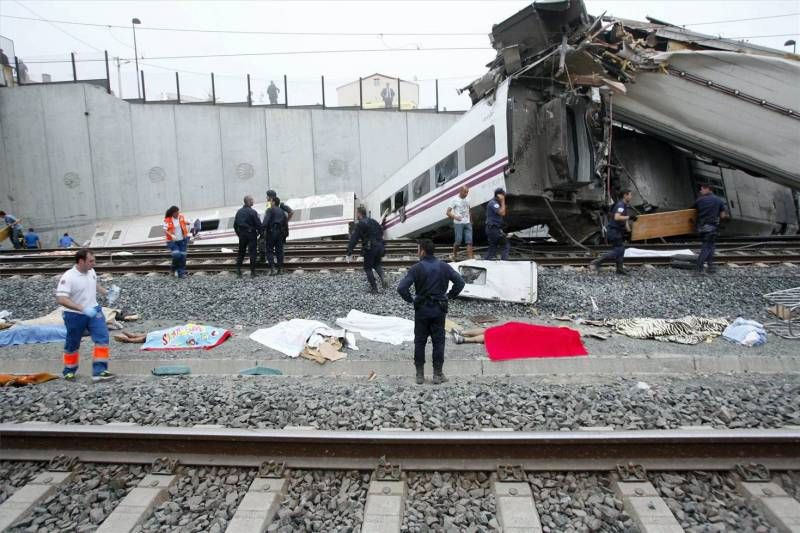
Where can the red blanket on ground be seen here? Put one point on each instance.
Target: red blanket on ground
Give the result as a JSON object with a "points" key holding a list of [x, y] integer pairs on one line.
{"points": [[516, 340]]}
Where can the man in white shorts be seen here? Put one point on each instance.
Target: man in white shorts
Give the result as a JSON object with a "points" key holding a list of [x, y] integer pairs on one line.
{"points": [[77, 293], [458, 212]]}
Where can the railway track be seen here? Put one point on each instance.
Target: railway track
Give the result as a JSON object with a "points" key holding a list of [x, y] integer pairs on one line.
{"points": [[327, 258], [271, 474]]}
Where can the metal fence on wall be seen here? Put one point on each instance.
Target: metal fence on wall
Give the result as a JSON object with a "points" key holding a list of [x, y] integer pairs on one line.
{"points": [[160, 85]]}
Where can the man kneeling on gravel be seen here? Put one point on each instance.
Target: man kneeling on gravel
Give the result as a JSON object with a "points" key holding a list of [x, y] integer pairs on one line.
{"points": [[77, 293]]}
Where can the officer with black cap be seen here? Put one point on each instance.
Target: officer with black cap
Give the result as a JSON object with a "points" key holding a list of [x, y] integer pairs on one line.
{"points": [[495, 211], [370, 233], [710, 210], [430, 278], [615, 233], [262, 242]]}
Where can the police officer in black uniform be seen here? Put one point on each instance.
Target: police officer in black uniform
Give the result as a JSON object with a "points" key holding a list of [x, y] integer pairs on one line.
{"points": [[262, 241], [710, 209], [430, 278], [495, 211], [370, 233], [276, 227], [247, 227], [615, 233]]}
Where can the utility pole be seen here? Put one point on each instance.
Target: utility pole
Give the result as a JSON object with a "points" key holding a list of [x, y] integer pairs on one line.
{"points": [[134, 22], [119, 79]]}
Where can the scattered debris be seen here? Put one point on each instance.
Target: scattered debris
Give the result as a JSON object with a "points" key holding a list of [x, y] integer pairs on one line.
{"points": [[186, 337], [372, 375], [510, 281], [174, 370], [260, 371], [746, 332], [687, 330], [21, 380]]}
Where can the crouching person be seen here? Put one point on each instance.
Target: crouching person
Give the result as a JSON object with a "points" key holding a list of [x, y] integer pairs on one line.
{"points": [[77, 293], [430, 278]]}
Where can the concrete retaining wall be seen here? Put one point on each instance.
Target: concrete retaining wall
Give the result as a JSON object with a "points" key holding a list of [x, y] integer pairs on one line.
{"points": [[72, 154]]}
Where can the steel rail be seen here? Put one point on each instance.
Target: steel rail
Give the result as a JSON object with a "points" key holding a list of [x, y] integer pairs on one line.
{"points": [[428, 450], [163, 265]]}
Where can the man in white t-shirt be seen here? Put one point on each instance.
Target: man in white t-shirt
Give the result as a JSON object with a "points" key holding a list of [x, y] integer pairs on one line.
{"points": [[458, 212], [77, 293]]}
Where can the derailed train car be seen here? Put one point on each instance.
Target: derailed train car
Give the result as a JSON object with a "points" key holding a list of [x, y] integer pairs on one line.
{"points": [[576, 108]]}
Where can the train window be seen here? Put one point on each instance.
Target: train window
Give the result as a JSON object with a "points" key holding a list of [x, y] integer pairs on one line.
{"points": [[479, 148], [116, 235], [101, 233], [300, 214], [327, 211], [209, 225], [386, 206], [156, 231], [421, 185], [400, 198], [446, 169]]}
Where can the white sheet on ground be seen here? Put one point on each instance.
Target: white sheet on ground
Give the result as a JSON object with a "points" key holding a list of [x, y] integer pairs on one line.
{"points": [[390, 329], [290, 337], [638, 252]]}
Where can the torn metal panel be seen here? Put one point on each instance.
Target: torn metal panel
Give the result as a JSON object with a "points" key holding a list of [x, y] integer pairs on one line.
{"points": [[510, 281]]}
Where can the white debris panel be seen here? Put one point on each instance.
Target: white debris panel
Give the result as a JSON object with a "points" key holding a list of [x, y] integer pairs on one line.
{"points": [[510, 281]]}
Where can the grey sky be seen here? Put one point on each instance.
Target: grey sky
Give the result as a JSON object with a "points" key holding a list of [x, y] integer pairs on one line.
{"points": [[40, 41]]}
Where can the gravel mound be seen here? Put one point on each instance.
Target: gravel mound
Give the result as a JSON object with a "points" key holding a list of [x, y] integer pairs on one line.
{"points": [[790, 481], [569, 502], [321, 500], [202, 499], [224, 299], [83, 503], [449, 501], [15, 474], [709, 502], [356, 404]]}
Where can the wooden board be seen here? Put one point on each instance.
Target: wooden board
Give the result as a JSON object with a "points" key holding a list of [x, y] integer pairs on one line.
{"points": [[664, 224]]}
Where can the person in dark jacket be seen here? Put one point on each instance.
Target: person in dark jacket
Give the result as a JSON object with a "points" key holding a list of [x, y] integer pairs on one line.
{"points": [[710, 210], [276, 223], [616, 228], [495, 213], [430, 278], [370, 232], [247, 226], [262, 241]]}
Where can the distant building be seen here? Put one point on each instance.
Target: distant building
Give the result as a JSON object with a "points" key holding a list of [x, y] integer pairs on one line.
{"points": [[374, 93]]}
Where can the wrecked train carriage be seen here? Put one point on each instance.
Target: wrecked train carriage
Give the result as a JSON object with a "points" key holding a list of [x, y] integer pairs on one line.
{"points": [[596, 105]]}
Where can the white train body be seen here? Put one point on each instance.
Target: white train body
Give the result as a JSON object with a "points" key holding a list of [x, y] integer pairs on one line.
{"points": [[314, 217], [473, 152]]}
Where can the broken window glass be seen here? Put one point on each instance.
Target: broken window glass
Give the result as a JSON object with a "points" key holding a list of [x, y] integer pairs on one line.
{"points": [[421, 185], [446, 169]]}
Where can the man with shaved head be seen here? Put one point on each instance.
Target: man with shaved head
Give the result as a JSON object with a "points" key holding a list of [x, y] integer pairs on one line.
{"points": [[247, 226], [458, 212]]}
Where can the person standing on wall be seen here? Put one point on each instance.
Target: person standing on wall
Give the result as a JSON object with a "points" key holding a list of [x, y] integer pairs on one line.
{"points": [[615, 233], [247, 226], [430, 278], [272, 93], [495, 212], [32, 240], [276, 226], [458, 212], [387, 94], [77, 293], [710, 210], [177, 232], [370, 233], [16, 229]]}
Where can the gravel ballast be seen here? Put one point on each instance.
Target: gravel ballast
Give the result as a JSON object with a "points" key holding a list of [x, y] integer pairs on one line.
{"points": [[709, 502], [358, 404], [15, 474], [225, 300], [447, 501]]}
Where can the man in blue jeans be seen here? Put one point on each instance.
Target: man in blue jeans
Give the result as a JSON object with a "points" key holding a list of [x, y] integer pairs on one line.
{"points": [[458, 212], [77, 293]]}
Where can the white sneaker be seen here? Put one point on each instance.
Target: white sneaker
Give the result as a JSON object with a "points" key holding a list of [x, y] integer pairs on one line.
{"points": [[458, 338], [105, 375]]}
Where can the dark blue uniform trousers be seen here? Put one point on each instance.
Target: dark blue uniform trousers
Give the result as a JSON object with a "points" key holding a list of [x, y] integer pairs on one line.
{"points": [[372, 261], [708, 249], [433, 328], [496, 239], [247, 243], [275, 249]]}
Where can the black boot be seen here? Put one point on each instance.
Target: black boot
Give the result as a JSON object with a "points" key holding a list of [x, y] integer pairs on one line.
{"points": [[238, 271], [594, 266], [620, 269], [253, 273], [420, 375], [439, 377], [272, 271]]}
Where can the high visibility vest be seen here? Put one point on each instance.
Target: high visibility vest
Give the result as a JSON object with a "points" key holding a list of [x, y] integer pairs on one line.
{"points": [[171, 227]]}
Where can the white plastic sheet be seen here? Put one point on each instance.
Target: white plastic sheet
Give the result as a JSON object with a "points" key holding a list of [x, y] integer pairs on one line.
{"points": [[638, 252], [389, 329], [290, 337]]}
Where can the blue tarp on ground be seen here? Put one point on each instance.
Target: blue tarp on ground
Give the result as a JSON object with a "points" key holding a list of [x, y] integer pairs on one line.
{"points": [[32, 335]]}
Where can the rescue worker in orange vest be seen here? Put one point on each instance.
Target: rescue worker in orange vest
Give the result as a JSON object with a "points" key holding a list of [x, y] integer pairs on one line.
{"points": [[177, 231]]}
